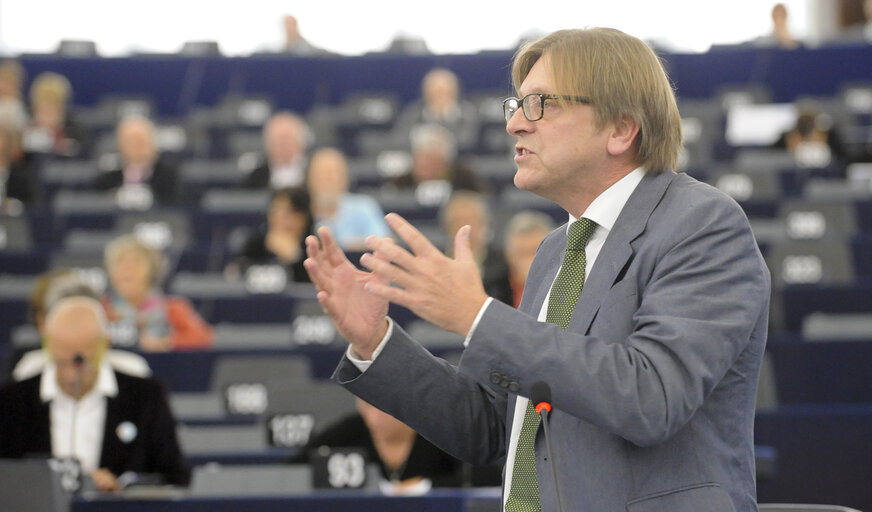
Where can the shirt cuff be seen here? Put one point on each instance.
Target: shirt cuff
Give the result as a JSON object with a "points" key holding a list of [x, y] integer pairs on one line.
{"points": [[477, 320], [363, 364]]}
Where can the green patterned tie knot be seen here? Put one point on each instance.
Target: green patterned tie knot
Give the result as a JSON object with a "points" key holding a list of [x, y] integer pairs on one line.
{"points": [[579, 233]]}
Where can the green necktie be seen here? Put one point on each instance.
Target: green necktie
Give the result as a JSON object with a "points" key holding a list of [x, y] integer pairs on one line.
{"points": [[524, 491]]}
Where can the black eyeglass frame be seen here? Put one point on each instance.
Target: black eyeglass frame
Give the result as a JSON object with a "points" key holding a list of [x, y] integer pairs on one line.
{"points": [[542, 97]]}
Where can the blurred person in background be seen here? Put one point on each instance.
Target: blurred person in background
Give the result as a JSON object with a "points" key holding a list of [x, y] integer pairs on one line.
{"points": [[141, 163], [294, 42], [441, 103], [523, 235], [435, 171], [781, 35], [813, 140], [140, 314], [49, 289], [12, 105], [861, 31], [52, 129], [282, 241], [119, 427], [285, 137], [409, 464], [18, 178], [351, 217], [467, 208]]}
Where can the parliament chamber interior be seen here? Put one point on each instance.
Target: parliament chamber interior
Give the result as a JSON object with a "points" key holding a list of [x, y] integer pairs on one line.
{"points": [[253, 398]]}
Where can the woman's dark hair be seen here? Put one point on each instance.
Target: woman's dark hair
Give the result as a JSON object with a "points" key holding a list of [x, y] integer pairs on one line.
{"points": [[300, 202]]}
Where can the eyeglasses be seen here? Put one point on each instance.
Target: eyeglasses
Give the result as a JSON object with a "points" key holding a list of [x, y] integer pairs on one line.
{"points": [[534, 104]]}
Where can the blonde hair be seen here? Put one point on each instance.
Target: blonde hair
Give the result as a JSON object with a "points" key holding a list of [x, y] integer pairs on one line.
{"points": [[622, 76], [50, 87], [126, 243]]}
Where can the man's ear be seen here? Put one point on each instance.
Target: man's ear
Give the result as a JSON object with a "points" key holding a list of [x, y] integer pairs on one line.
{"points": [[623, 136]]}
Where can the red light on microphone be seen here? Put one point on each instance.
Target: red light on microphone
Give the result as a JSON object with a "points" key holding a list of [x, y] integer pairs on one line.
{"points": [[543, 405]]}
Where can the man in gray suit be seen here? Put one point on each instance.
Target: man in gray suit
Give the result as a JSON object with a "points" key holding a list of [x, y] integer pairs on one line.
{"points": [[653, 367]]}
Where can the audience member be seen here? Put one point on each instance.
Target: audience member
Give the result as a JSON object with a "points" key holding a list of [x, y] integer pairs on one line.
{"points": [[860, 32], [467, 208], [50, 289], [141, 315], [295, 43], [351, 217], [12, 76], [409, 463], [441, 104], [813, 140], [435, 172], [288, 222], [523, 234], [781, 36], [119, 427], [18, 179], [285, 141], [52, 129], [141, 163]]}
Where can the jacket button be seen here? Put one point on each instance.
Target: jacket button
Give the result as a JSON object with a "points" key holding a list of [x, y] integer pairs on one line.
{"points": [[496, 377], [514, 387], [505, 382]]}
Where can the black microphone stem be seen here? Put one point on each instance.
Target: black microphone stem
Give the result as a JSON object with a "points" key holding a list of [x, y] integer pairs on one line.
{"points": [[547, 429]]}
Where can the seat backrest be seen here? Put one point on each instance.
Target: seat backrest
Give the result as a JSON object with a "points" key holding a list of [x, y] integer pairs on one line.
{"points": [[15, 235], [810, 262], [42, 493], [162, 229], [295, 411], [798, 507], [818, 219], [221, 439], [251, 480]]}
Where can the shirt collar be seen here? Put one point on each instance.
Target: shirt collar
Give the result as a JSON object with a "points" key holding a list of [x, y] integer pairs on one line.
{"points": [[106, 384], [604, 210]]}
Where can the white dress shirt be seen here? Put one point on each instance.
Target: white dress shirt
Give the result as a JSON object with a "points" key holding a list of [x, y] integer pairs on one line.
{"points": [[89, 415], [604, 210]]}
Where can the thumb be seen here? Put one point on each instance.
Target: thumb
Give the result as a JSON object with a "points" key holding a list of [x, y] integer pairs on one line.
{"points": [[462, 248]]}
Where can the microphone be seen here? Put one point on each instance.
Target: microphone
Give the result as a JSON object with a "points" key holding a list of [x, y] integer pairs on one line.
{"points": [[78, 364], [540, 396]]}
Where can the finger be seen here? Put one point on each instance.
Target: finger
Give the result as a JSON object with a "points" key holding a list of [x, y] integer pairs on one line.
{"points": [[387, 249], [319, 279], [313, 247], [409, 234], [385, 270], [331, 249], [390, 293], [462, 246]]}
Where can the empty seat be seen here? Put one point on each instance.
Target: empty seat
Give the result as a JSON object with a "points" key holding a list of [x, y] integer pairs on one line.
{"points": [[162, 229], [796, 507], [251, 480], [221, 439], [809, 262], [253, 336], [15, 235], [835, 327]]}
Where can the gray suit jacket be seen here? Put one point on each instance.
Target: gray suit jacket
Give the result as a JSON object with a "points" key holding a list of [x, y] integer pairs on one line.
{"points": [[653, 381]]}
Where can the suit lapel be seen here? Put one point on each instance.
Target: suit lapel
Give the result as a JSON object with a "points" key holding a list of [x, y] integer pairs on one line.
{"points": [[110, 438], [616, 251]]}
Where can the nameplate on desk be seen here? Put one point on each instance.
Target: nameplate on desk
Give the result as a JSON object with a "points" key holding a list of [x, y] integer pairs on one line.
{"points": [[260, 279], [339, 468], [290, 430], [246, 398]]}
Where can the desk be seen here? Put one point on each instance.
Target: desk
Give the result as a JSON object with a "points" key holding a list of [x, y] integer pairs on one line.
{"points": [[438, 500]]}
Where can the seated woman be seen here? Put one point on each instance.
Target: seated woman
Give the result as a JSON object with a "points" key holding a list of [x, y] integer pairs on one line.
{"points": [[139, 313], [409, 463], [282, 241]]}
